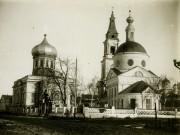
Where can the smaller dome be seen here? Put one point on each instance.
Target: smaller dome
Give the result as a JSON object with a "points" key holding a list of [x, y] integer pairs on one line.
{"points": [[44, 49], [130, 19], [165, 81], [130, 46]]}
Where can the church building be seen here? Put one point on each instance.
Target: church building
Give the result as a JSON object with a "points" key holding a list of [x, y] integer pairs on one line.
{"points": [[32, 91], [124, 77]]}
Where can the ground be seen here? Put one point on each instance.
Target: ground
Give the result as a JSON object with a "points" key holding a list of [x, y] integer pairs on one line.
{"points": [[20, 125]]}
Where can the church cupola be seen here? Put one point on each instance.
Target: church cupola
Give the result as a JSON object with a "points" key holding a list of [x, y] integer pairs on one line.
{"points": [[130, 29], [130, 53], [44, 56]]}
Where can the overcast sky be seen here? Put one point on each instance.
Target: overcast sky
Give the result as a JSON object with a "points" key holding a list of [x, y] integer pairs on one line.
{"points": [[78, 28]]}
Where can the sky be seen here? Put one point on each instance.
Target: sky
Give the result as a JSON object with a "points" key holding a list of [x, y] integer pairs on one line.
{"points": [[77, 28]]}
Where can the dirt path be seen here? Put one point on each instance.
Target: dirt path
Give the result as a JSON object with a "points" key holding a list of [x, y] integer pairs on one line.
{"points": [[23, 125]]}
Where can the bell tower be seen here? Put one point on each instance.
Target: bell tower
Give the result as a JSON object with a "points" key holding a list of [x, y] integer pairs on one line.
{"points": [[110, 45]]}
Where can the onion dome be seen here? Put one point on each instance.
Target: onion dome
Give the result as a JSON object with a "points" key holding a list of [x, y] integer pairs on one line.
{"points": [[165, 81], [130, 19], [44, 49], [130, 46]]}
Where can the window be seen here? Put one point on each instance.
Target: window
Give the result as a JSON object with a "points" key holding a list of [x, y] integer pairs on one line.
{"points": [[143, 63], [148, 104], [32, 97], [117, 63], [138, 74], [132, 34], [51, 64], [22, 97], [112, 50], [41, 63], [47, 63], [115, 92], [121, 103], [36, 63], [130, 62]]}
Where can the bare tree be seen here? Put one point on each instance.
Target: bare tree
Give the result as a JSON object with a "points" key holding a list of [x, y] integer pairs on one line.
{"points": [[92, 86], [165, 90], [63, 77]]}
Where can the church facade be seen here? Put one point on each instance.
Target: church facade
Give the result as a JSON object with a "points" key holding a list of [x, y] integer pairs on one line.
{"points": [[39, 89], [126, 81]]}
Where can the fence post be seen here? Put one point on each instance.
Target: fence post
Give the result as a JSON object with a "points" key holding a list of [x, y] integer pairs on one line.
{"points": [[113, 110], [64, 110], [86, 112], [175, 112]]}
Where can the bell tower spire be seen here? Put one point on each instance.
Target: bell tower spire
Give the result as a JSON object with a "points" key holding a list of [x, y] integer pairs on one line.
{"points": [[110, 45], [130, 29], [112, 32]]}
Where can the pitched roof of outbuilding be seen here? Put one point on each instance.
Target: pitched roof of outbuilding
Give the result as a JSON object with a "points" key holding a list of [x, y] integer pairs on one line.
{"points": [[137, 87]]}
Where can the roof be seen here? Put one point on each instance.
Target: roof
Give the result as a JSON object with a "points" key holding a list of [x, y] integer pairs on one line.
{"points": [[112, 26], [130, 46], [112, 32], [165, 81], [137, 87], [141, 68], [7, 97], [117, 72], [152, 72], [44, 49]]}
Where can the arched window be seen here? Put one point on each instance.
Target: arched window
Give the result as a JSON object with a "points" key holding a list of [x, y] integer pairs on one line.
{"points": [[112, 49], [41, 63], [36, 63], [52, 64], [47, 63]]}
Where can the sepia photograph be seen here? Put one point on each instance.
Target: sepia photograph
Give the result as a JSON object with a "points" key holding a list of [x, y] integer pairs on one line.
{"points": [[89, 67]]}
